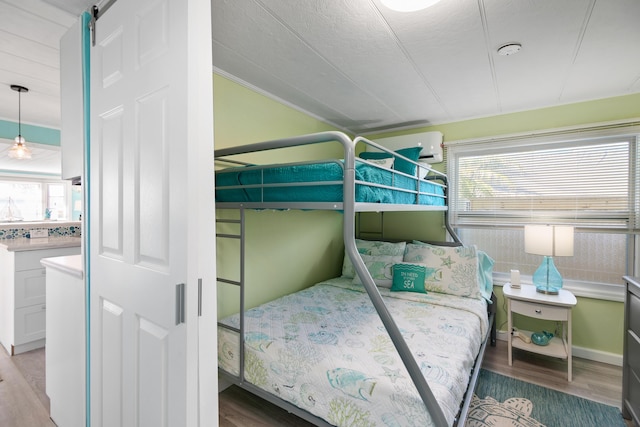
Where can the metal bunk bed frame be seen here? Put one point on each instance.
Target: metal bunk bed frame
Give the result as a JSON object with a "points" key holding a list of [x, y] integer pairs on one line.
{"points": [[349, 208]]}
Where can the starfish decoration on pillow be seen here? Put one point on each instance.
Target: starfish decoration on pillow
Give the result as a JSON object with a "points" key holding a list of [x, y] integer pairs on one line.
{"points": [[447, 262]]}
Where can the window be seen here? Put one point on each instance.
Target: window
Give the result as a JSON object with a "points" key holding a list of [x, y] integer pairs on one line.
{"points": [[57, 201], [586, 179], [31, 200]]}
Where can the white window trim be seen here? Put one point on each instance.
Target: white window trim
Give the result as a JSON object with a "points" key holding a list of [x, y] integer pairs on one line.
{"points": [[604, 130], [595, 130], [44, 181]]}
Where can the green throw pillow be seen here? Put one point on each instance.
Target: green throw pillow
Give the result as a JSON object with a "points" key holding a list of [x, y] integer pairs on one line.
{"points": [[409, 277]]}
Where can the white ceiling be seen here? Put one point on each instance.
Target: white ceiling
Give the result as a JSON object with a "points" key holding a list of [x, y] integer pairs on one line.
{"points": [[363, 67], [30, 32]]}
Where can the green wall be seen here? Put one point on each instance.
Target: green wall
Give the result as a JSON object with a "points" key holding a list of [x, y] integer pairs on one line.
{"points": [[603, 110], [285, 251], [597, 325]]}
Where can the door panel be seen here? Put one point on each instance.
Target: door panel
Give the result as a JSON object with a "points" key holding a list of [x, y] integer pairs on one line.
{"points": [[138, 180], [110, 183], [153, 181], [110, 374], [153, 354], [151, 216]]}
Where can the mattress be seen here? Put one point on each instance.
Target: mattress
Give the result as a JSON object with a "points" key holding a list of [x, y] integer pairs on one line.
{"points": [[321, 182], [325, 350]]}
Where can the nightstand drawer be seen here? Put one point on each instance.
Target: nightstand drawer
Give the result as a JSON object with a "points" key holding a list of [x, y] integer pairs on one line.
{"points": [[541, 311]]}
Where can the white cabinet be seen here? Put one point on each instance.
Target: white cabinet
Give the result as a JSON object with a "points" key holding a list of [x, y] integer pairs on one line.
{"points": [[71, 102], [22, 297], [66, 342]]}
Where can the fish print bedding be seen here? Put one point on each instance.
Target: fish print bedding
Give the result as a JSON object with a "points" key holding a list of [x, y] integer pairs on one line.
{"points": [[325, 350]]}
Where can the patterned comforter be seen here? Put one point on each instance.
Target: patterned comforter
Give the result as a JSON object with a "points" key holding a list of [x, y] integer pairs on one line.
{"points": [[325, 350]]}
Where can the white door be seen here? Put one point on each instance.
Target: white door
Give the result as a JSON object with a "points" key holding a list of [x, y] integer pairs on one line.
{"points": [[151, 209]]}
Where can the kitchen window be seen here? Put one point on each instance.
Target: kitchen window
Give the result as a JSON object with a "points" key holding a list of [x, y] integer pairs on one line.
{"points": [[588, 179], [34, 200]]}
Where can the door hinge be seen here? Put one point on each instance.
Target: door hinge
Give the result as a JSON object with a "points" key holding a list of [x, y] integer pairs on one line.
{"points": [[92, 26], [179, 303], [95, 14]]}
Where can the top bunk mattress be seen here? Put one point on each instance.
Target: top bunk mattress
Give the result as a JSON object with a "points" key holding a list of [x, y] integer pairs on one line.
{"points": [[322, 182], [325, 350]]}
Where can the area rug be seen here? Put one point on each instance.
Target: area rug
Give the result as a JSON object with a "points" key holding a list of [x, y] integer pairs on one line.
{"points": [[501, 401]]}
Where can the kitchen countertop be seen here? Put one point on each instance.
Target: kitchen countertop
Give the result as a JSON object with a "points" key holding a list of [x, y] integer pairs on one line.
{"points": [[24, 244], [71, 264]]}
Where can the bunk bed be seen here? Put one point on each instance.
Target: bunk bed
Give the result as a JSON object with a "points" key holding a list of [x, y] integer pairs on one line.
{"points": [[340, 383]]}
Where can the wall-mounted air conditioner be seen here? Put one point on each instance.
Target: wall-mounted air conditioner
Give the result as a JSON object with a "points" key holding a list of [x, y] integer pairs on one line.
{"points": [[431, 143]]}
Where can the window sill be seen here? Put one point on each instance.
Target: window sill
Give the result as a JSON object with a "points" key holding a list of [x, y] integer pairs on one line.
{"points": [[601, 291]]}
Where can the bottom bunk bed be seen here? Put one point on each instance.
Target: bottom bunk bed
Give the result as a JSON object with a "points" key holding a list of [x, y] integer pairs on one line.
{"points": [[324, 354]]}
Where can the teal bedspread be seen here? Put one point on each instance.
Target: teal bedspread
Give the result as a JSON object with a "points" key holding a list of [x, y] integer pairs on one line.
{"points": [[314, 185], [325, 350]]}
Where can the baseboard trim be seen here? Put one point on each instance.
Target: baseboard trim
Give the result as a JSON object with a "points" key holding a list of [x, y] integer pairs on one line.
{"points": [[23, 348], [223, 384], [584, 353], [597, 355]]}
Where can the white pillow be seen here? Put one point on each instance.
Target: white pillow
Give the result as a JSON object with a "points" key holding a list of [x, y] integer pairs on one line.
{"points": [[381, 269], [424, 171], [385, 163], [451, 270], [371, 247]]}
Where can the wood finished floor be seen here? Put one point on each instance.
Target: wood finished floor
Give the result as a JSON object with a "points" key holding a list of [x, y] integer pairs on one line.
{"points": [[23, 402], [20, 402]]}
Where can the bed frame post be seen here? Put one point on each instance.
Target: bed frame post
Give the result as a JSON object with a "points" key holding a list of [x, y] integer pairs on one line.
{"points": [[447, 224], [437, 416]]}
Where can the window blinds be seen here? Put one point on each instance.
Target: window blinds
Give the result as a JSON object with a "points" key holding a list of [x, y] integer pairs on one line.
{"points": [[591, 183]]}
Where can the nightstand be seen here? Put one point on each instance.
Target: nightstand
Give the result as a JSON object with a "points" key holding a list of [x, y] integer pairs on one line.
{"points": [[528, 302]]}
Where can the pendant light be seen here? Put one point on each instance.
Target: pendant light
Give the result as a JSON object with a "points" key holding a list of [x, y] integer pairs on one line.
{"points": [[19, 150]]}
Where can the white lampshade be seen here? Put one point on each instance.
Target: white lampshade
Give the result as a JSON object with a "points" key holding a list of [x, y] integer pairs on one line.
{"points": [[548, 240]]}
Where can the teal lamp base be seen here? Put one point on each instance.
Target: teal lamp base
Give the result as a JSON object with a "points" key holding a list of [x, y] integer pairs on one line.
{"points": [[547, 279]]}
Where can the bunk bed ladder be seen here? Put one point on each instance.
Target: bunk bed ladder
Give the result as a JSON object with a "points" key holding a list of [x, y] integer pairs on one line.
{"points": [[240, 235]]}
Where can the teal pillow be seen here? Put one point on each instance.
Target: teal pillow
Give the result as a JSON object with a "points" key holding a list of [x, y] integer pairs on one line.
{"points": [[485, 270], [401, 165], [409, 277]]}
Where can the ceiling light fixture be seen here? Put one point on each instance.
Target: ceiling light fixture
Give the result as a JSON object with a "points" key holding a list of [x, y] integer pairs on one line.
{"points": [[408, 5], [19, 150], [509, 49]]}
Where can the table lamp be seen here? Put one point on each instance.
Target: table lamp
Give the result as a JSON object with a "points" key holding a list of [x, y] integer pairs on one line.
{"points": [[549, 241]]}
